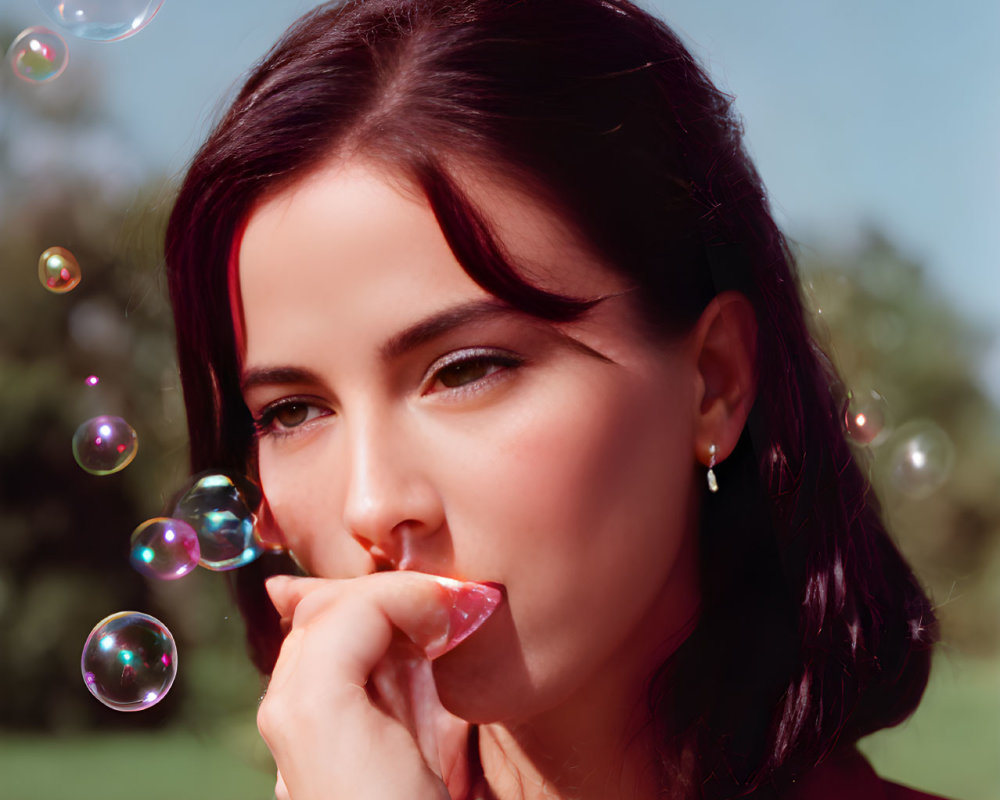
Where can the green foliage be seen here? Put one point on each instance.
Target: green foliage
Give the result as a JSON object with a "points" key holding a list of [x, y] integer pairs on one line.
{"points": [[64, 534], [889, 330]]}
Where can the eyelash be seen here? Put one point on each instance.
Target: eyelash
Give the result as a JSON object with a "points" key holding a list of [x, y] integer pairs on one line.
{"points": [[476, 356], [266, 423]]}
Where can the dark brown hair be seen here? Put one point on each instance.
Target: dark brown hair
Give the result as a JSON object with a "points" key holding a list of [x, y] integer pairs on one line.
{"points": [[814, 631]]}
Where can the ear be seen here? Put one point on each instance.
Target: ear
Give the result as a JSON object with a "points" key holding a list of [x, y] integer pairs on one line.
{"points": [[725, 341]]}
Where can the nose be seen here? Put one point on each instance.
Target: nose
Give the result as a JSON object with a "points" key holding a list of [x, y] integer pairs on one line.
{"points": [[390, 505]]}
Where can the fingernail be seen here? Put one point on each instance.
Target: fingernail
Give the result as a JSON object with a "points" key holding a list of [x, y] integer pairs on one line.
{"points": [[471, 605]]}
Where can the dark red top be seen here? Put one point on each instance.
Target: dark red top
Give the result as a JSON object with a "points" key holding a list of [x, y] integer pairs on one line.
{"points": [[842, 776], [849, 776]]}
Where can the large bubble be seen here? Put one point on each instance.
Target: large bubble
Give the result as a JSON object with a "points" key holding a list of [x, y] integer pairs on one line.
{"points": [[101, 20], [38, 55], [164, 548], [129, 661], [104, 445], [222, 510], [921, 459], [58, 270]]}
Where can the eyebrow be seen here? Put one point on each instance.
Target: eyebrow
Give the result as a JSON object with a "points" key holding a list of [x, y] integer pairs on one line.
{"points": [[459, 316], [443, 322], [277, 376], [399, 344]]}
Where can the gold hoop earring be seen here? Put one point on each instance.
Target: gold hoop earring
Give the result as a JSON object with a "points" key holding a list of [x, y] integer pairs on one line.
{"points": [[713, 483]]}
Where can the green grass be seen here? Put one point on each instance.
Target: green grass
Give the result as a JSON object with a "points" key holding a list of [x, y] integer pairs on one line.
{"points": [[951, 746], [170, 765]]}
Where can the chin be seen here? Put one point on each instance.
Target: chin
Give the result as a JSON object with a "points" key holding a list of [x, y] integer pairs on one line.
{"points": [[470, 694], [484, 679]]}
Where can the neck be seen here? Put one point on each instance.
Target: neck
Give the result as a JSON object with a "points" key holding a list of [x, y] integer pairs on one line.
{"points": [[531, 762]]}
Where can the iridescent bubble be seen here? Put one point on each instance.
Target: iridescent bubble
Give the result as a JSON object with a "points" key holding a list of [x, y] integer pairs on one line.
{"points": [[91, 380], [866, 418], [129, 661], [921, 459], [164, 548], [101, 20], [38, 55], [104, 445], [222, 509], [58, 270]]}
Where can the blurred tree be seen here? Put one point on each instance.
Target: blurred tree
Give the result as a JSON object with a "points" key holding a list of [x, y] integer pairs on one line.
{"points": [[67, 178], [891, 332]]}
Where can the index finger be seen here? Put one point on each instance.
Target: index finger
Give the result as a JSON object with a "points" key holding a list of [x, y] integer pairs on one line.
{"points": [[434, 612], [286, 591]]}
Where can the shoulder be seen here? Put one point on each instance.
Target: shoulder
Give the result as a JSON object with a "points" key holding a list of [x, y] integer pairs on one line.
{"points": [[848, 774]]}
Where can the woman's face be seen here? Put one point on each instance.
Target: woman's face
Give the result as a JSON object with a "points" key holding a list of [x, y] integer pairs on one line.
{"points": [[409, 420]]}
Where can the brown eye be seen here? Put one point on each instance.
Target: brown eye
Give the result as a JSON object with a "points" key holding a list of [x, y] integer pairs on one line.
{"points": [[464, 372], [285, 416], [472, 369], [291, 415]]}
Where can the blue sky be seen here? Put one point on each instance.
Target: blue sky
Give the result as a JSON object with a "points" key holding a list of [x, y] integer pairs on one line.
{"points": [[884, 112]]}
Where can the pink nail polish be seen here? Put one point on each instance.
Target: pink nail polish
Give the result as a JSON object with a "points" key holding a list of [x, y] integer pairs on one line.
{"points": [[471, 605]]}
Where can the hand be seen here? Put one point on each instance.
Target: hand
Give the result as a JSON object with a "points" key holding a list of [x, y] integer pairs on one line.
{"points": [[351, 709]]}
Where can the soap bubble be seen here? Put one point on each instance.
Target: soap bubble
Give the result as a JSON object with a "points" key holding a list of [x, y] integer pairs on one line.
{"points": [[129, 661], [866, 418], [101, 20], [58, 270], [91, 380], [38, 55], [164, 548], [222, 509], [921, 459], [104, 445]]}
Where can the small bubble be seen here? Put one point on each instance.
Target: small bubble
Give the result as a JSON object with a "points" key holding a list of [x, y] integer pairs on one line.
{"points": [[222, 509], [866, 418], [102, 20], [58, 270], [38, 55], [104, 445], [91, 380], [921, 459], [164, 548], [129, 661]]}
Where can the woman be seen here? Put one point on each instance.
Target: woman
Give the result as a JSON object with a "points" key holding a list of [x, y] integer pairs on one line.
{"points": [[488, 297]]}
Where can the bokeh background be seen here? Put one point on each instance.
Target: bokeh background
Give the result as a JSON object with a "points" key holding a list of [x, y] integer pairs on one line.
{"points": [[876, 128]]}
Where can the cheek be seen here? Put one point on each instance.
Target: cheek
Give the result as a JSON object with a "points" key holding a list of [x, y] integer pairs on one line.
{"points": [[584, 454], [581, 510], [589, 490]]}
